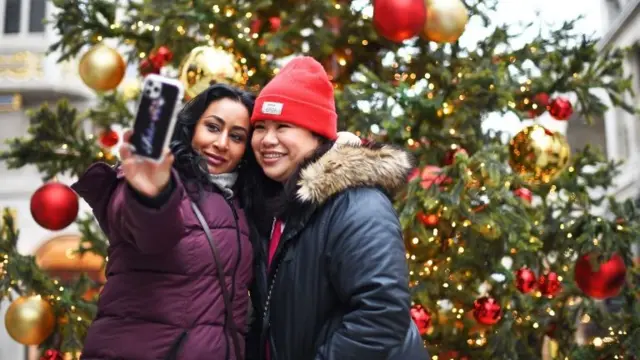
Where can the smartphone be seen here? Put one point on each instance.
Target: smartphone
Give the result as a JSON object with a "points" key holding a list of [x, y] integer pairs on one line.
{"points": [[156, 116]]}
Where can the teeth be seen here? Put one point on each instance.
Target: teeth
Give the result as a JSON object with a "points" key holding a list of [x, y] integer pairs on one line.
{"points": [[272, 156]]}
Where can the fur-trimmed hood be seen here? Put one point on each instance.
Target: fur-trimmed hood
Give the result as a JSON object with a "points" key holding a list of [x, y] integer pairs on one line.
{"points": [[348, 166], [330, 170]]}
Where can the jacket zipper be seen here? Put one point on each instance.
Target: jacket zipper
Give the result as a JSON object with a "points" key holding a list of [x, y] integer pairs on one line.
{"points": [[271, 282], [271, 276], [266, 322]]}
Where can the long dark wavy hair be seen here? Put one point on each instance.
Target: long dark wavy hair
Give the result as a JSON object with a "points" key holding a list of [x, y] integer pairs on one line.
{"points": [[191, 166]]}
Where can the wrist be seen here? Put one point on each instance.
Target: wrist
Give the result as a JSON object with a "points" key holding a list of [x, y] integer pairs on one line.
{"points": [[157, 198]]}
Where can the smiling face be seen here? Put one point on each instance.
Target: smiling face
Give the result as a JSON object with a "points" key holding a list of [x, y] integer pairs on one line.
{"points": [[280, 147], [220, 135]]}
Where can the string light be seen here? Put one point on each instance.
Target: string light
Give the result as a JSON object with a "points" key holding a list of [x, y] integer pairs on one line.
{"points": [[447, 109]]}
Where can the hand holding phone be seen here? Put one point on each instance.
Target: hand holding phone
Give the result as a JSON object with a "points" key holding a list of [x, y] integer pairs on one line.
{"points": [[156, 116], [146, 158], [149, 178]]}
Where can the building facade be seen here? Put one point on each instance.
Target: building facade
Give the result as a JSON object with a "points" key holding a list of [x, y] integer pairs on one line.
{"points": [[617, 132], [621, 25], [28, 78]]}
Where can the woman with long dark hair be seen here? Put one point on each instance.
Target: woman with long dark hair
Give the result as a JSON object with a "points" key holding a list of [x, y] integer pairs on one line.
{"points": [[180, 260], [332, 280]]}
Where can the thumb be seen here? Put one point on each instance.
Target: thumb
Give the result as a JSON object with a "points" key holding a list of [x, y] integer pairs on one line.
{"points": [[126, 135], [168, 159]]}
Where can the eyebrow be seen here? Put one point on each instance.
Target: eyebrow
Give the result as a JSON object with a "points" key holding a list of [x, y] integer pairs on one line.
{"points": [[237, 127]]}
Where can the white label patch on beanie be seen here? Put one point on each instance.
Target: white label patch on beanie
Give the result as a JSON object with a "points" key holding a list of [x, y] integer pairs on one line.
{"points": [[272, 108]]}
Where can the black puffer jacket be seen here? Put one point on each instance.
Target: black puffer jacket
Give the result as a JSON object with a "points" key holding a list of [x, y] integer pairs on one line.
{"points": [[338, 285]]}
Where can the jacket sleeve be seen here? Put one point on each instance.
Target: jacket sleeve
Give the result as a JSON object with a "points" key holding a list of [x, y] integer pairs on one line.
{"points": [[367, 266], [149, 225]]}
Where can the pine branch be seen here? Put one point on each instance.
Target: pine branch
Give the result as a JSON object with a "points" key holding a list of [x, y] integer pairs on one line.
{"points": [[56, 144], [430, 98], [27, 278]]}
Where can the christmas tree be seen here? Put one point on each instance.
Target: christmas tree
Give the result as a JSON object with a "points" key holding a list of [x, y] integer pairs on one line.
{"points": [[509, 257]]}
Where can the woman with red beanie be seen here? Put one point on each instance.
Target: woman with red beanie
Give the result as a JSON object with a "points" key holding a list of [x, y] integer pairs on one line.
{"points": [[331, 279]]}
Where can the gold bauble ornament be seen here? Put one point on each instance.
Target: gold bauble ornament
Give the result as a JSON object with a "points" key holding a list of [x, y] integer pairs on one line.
{"points": [[130, 89], [205, 66], [102, 68], [538, 155], [30, 320], [446, 20]]}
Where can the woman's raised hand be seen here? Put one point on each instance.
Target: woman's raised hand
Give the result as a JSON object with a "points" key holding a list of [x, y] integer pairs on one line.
{"points": [[145, 176]]}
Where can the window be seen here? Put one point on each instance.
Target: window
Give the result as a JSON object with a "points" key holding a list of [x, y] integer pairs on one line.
{"points": [[9, 103], [613, 5], [37, 11], [613, 9], [12, 16]]}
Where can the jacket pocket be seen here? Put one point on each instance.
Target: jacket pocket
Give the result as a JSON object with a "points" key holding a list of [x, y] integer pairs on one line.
{"points": [[326, 331]]}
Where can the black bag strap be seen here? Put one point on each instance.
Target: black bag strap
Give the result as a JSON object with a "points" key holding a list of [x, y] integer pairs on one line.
{"points": [[225, 294]]}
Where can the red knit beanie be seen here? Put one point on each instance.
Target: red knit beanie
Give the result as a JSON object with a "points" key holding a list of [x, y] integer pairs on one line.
{"points": [[300, 94]]}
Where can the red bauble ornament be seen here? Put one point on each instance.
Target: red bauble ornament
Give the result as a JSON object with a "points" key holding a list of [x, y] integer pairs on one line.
{"points": [[430, 175], [54, 206], [255, 26], [399, 20], [524, 194], [108, 138], [487, 311], [604, 283], [156, 60], [413, 174], [541, 102], [422, 318], [162, 56], [525, 280], [51, 354], [549, 284], [560, 108], [274, 24], [430, 220], [450, 157], [147, 67]]}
